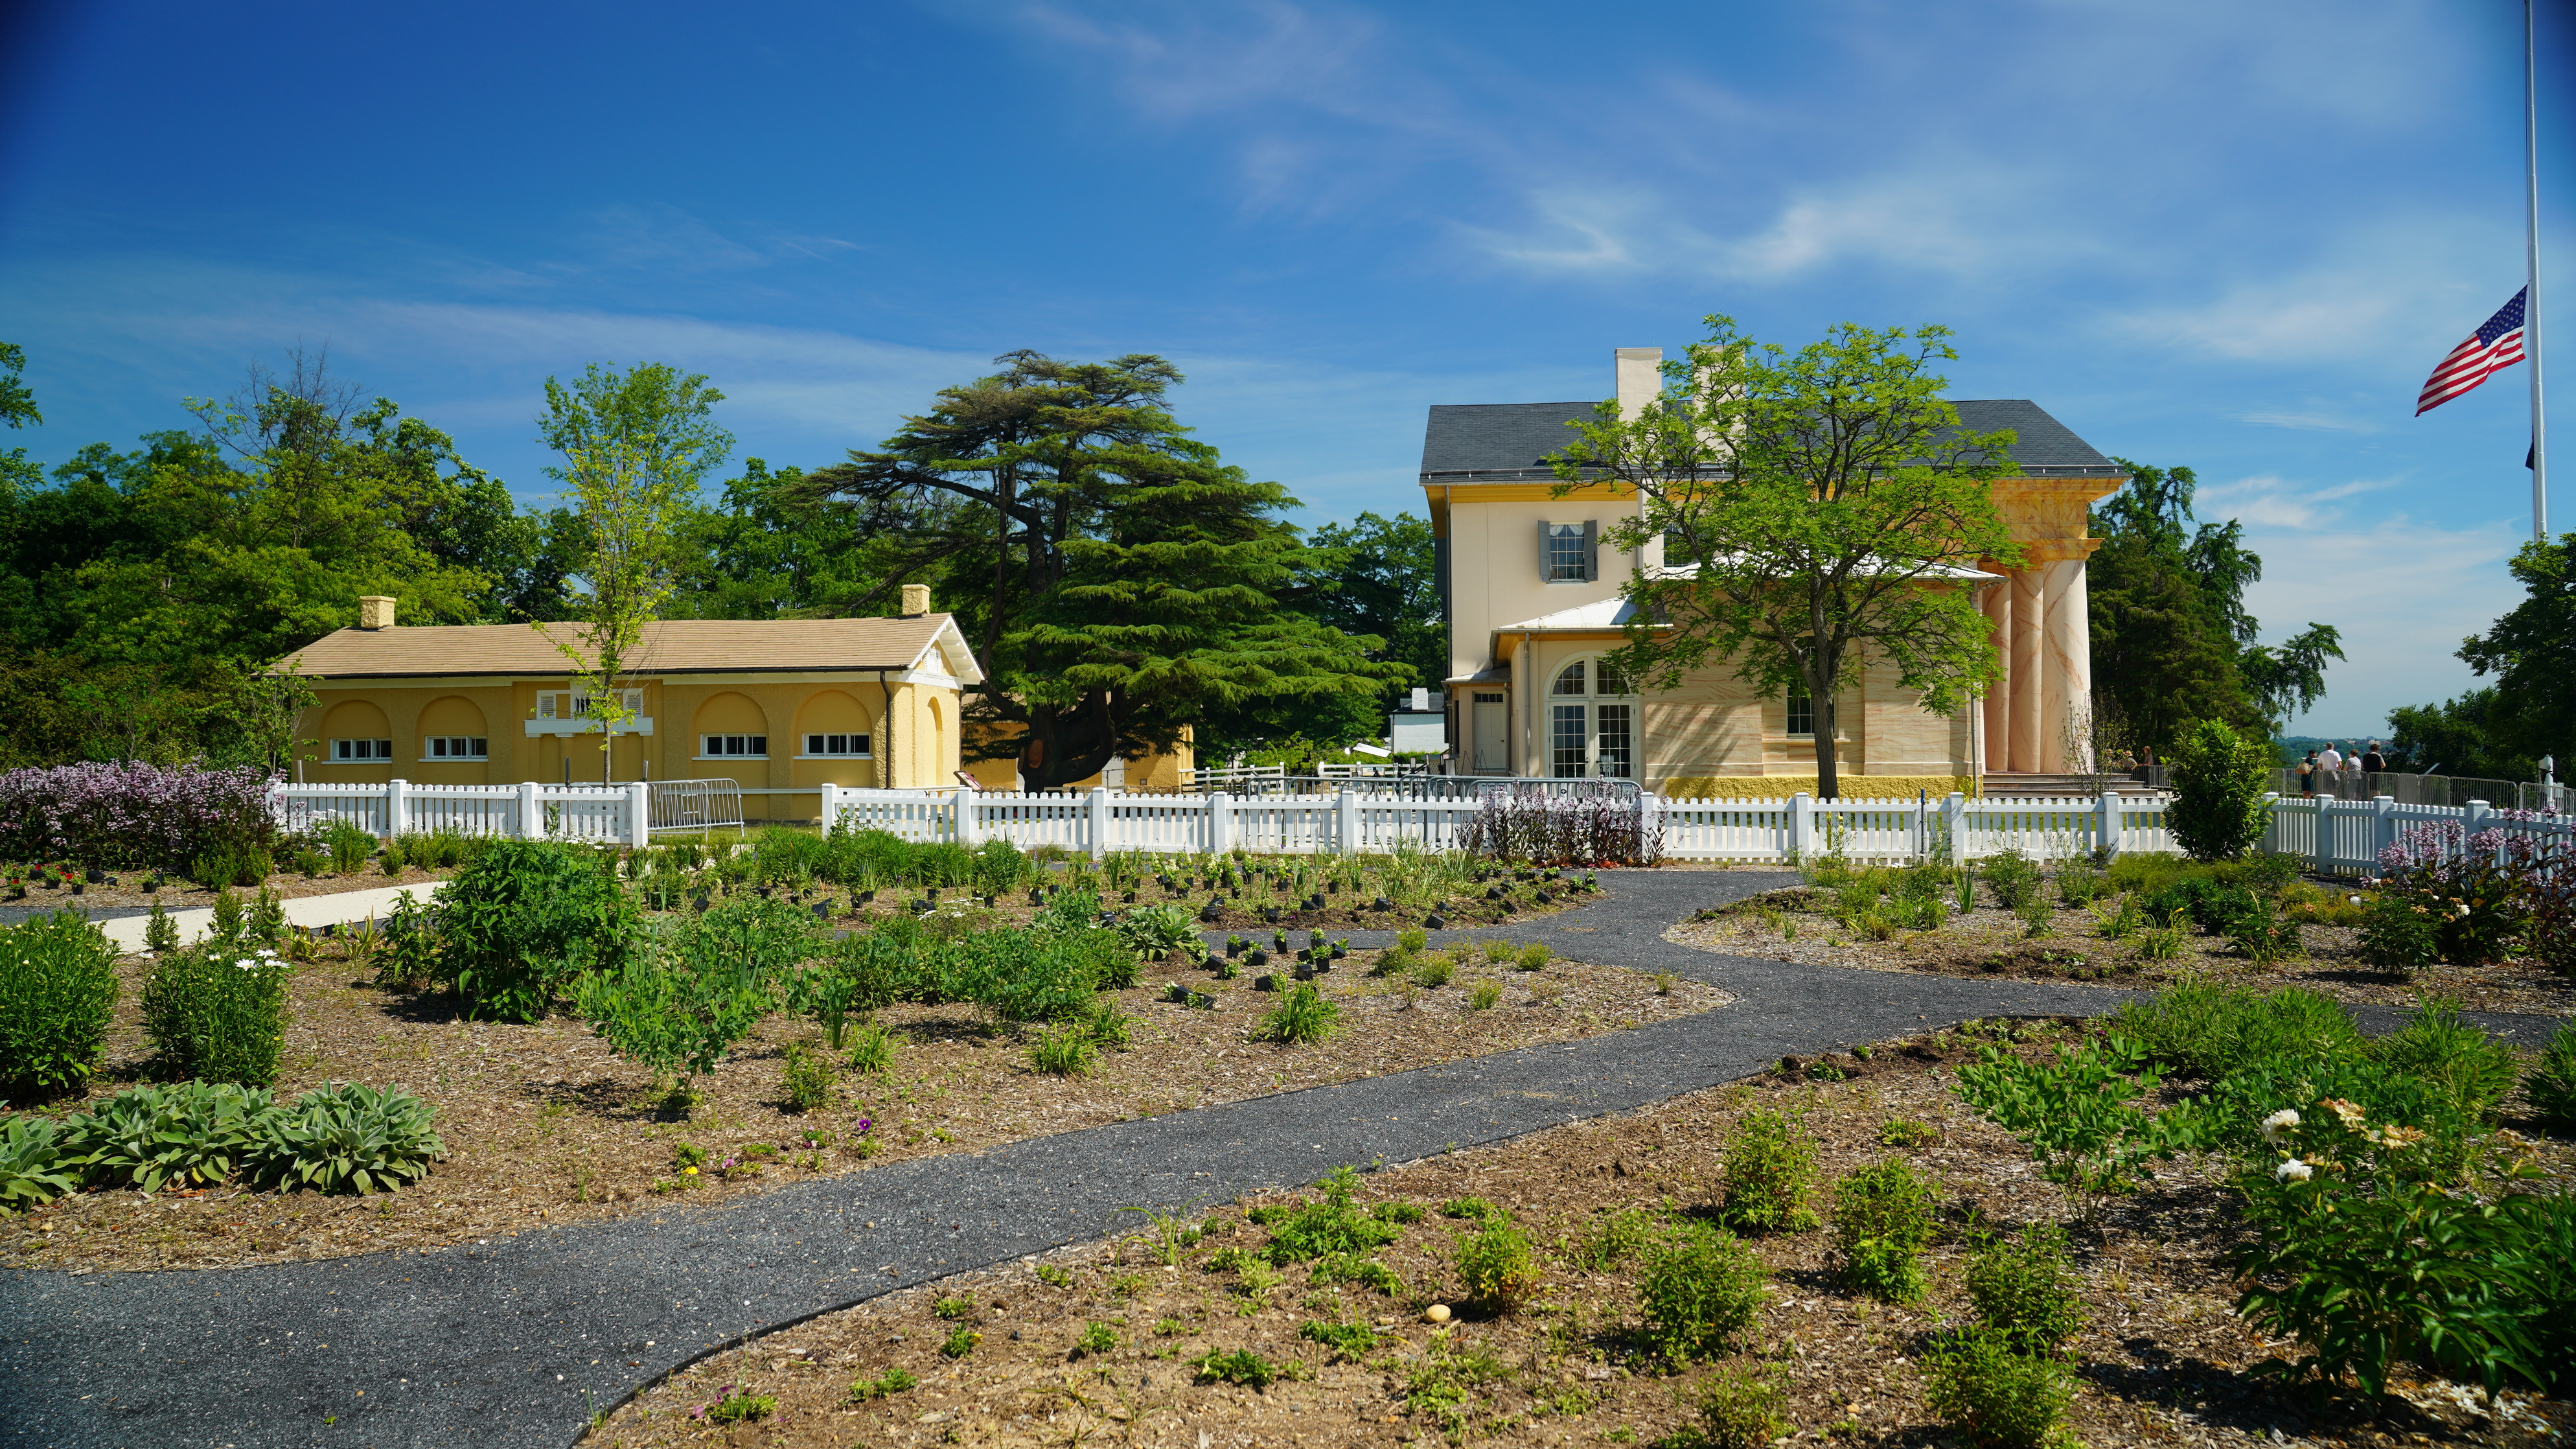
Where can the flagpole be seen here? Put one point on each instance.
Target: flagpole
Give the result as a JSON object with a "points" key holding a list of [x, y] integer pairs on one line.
{"points": [[2531, 297]]}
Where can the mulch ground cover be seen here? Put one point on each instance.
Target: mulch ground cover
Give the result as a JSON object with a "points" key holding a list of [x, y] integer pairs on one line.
{"points": [[544, 1124], [1798, 924], [999, 1357]]}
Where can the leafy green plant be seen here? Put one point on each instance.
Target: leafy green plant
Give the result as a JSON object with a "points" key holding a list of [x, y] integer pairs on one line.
{"points": [[1742, 1408], [960, 1342], [1534, 956], [346, 1137], [2474, 1069], [1615, 1239], [2399, 932], [347, 845], [1495, 1265], [952, 1309], [1332, 1223], [807, 1078], [2263, 936], [57, 993], [2201, 1027], [2024, 1289], [1434, 971], [743, 1407], [894, 1380], [1348, 1341], [1098, 1338], [183, 1134], [1770, 1168], [217, 1011], [33, 1169], [675, 1005], [2160, 943], [2074, 1112], [2219, 776], [872, 1050], [2011, 877], [1154, 932], [1488, 995], [1473, 1209], [1978, 1385], [1882, 1223], [2037, 919], [2079, 885], [2551, 1085], [1699, 1290], [1302, 1017], [1066, 1051], [1906, 1132], [1242, 1367], [527, 919]]}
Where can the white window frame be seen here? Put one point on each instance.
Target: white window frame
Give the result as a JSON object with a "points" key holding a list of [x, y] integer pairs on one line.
{"points": [[1588, 708], [377, 752], [435, 749], [866, 741], [746, 753]]}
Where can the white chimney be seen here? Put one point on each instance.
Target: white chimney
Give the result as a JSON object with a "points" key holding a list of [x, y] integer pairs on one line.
{"points": [[1640, 378], [375, 611]]}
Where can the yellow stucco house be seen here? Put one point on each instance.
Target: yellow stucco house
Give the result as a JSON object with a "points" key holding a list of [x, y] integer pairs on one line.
{"points": [[780, 707], [1531, 598]]}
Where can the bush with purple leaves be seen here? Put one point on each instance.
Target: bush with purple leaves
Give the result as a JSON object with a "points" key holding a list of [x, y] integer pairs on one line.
{"points": [[118, 816]]}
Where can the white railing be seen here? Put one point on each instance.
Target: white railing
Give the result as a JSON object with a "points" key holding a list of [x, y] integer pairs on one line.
{"points": [[2345, 837], [609, 814], [680, 805]]}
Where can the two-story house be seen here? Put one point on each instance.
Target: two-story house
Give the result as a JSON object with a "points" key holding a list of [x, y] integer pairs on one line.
{"points": [[1531, 598]]}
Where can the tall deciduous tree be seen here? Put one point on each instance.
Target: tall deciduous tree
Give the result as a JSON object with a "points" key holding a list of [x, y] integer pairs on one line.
{"points": [[1117, 579], [2532, 653], [1818, 512], [635, 445]]}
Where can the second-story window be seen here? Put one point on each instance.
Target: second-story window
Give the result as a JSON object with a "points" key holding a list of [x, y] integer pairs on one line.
{"points": [[1565, 552]]}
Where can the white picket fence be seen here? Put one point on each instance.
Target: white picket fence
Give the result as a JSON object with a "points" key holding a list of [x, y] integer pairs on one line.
{"points": [[626, 814], [2345, 837]]}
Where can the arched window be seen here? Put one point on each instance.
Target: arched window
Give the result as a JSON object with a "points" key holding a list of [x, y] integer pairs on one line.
{"points": [[1592, 722]]}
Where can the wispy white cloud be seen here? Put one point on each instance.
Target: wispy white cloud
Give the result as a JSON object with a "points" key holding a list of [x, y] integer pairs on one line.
{"points": [[2308, 422], [2268, 501]]}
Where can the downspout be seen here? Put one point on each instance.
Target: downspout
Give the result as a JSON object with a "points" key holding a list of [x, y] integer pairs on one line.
{"points": [[1529, 716], [885, 773]]}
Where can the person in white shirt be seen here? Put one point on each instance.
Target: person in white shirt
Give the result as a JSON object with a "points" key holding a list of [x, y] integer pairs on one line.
{"points": [[2330, 759]]}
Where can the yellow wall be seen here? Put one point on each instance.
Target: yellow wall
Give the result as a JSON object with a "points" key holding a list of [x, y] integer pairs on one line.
{"points": [[1154, 773]]}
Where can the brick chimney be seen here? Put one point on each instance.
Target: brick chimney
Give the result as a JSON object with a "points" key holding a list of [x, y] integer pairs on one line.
{"points": [[375, 611], [916, 601]]}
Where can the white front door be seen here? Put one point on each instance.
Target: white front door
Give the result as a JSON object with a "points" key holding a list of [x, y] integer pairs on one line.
{"points": [[1493, 735]]}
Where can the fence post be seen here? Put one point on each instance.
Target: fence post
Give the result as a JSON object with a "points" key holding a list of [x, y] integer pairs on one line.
{"points": [[2475, 821], [532, 812], [1346, 822], [1802, 826], [970, 826], [1099, 802], [2271, 822], [639, 814], [2325, 856], [2106, 827], [1220, 831], [397, 806], [2384, 829], [831, 807], [1954, 814]]}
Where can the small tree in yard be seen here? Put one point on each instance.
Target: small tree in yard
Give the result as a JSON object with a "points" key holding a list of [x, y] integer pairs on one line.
{"points": [[636, 444], [2218, 780], [1818, 512]]}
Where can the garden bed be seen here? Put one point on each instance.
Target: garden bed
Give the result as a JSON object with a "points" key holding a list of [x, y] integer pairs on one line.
{"points": [[544, 1124], [123, 893], [1800, 924], [2161, 1358]]}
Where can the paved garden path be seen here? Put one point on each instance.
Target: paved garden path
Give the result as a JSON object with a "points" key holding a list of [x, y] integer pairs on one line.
{"points": [[515, 1340]]}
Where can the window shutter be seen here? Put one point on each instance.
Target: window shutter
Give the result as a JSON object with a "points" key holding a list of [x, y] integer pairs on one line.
{"points": [[1543, 571], [1592, 549]]}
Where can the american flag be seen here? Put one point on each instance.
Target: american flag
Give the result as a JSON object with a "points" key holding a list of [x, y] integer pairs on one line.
{"points": [[2498, 344]]}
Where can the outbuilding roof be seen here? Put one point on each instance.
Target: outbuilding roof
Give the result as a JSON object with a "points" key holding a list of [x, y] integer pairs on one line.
{"points": [[1464, 442], [670, 646]]}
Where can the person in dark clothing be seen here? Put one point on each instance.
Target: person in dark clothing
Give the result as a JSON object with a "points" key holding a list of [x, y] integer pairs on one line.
{"points": [[2372, 761]]}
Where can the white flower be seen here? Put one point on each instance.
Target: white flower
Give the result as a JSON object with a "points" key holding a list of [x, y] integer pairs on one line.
{"points": [[2293, 1171], [247, 964], [2278, 1123]]}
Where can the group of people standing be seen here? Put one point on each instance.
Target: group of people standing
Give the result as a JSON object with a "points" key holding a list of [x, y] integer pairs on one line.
{"points": [[2331, 771]]}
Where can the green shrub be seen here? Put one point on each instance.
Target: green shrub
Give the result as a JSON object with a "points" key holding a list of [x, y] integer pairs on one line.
{"points": [[1348, 1341], [32, 1166], [2219, 777], [344, 1138], [679, 1002], [1742, 1408], [1882, 1224], [2023, 1288], [1488, 995], [1494, 1264], [57, 993], [347, 845], [1534, 956], [872, 1050], [1980, 1387], [961, 1342], [527, 920], [1333, 1223], [1699, 1290], [2473, 1069], [2079, 885], [1435, 971], [2399, 933], [806, 1078], [1241, 1366], [2205, 1028], [1770, 1168], [217, 1011], [2551, 1085], [999, 866], [1098, 1338], [1065, 1051], [2074, 1112], [1906, 1132], [1303, 1016], [892, 1381], [180, 1135], [1473, 1209], [2012, 877], [1615, 1239]]}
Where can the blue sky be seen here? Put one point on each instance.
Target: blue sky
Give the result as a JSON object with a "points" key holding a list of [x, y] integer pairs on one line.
{"points": [[2228, 236]]}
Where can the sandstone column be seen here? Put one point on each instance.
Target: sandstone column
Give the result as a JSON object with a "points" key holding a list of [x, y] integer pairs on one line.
{"points": [[2054, 666], [2069, 665], [2027, 623], [1997, 704]]}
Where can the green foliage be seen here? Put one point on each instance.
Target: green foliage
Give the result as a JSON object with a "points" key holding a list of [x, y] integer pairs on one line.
{"points": [[1435, 971], [525, 921], [1978, 1385], [1700, 1289], [1098, 1338], [1906, 1132], [872, 1050], [1066, 1051], [743, 1407], [181, 1135], [1473, 1209], [1348, 1341], [953, 1309], [1154, 932], [1882, 1224], [346, 1137], [2074, 1112], [679, 1002], [2023, 1288], [1615, 1239], [2399, 932], [2474, 1070], [1332, 1223], [961, 1341], [2202, 1027], [2013, 878], [1488, 995], [1241, 1367], [2219, 779], [1301, 1018], [1770, 1168], [894, 1380], [217, 1011], [806, 1078], [2551, 1085], [2527, 649], [33, 1170], [1742, 1408], [1495, 1265], [58, 991]]}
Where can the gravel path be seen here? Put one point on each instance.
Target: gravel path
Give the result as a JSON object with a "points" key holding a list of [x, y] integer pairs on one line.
{"points": [[517, 1340]]}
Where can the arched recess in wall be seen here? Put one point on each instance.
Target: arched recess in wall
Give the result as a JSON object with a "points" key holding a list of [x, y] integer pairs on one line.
{"points": [[730, 727], [452, 728], [835, 740], [355, 733]]}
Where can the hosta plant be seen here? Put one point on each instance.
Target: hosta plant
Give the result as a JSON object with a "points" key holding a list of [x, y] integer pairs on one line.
{"points": [[347, 1137], [179, 1135], [32, 1169]]}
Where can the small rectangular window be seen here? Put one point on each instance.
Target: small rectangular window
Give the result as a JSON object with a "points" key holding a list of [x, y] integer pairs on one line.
{"points": [[458, 747], [854, 747], [1483, 698], [1568, 559], [1802, 713], [367, 751], [730, 746]]}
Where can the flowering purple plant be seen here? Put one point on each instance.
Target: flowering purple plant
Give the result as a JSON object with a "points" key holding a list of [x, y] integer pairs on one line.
{"points": [[131, 814]]}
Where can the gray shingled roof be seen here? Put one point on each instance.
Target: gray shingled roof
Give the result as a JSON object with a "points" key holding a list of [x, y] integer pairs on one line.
{"points": [[1516, 438]]}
